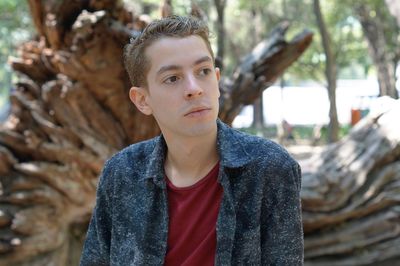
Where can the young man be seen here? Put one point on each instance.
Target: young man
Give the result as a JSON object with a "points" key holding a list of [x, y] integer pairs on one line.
{"points": [[201, 193]]}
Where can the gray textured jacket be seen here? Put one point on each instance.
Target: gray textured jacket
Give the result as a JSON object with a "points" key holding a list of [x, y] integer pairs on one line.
{"points": [[259, 221]]}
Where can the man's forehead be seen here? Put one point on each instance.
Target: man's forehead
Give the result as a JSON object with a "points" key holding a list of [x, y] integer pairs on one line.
{"points": [[171, 44], [172, 39], [167, 67], [171, 52]]}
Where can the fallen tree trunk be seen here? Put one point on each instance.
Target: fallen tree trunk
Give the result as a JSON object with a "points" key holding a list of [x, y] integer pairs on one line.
{"points": [[260, 69], [351, 195], [70, 111]]}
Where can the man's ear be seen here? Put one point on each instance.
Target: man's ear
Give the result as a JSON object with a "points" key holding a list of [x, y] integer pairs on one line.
{"points": [[218, 73], [138, 96]]}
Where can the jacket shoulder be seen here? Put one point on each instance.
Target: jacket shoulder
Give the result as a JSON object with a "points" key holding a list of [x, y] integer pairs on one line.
{"points": [[136, 151], [272, 159], [260, 148], [130, 159]]}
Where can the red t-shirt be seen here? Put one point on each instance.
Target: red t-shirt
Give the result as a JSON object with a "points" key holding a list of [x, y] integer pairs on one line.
{"points": [[193, 215]]}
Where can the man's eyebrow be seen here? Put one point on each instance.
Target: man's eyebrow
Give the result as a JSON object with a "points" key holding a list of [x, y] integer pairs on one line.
{"points": [[167, 68], [202, 60], [177, 67]]}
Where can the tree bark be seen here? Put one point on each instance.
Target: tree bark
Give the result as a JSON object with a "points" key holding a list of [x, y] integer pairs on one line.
{"points": [[330, 74], [166, 8], [258, 105], [350, 195], [375, 35], [258, 116], [260, 69], [220, 7]]}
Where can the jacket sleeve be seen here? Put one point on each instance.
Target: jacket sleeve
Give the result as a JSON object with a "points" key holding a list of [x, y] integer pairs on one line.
{"points": [[282, 240], [96, 249]]}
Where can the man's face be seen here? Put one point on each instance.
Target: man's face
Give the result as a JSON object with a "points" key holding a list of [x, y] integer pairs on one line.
{"points": [[182, 91]]}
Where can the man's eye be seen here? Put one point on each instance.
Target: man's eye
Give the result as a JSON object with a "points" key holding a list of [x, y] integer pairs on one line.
{"points": [[205, 72], [171, 79]]}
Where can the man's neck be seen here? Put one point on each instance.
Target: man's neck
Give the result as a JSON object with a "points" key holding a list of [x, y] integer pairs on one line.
{"points": [[189, 160]]}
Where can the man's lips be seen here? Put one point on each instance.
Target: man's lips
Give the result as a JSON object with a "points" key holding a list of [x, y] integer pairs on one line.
{"points": [[197, 110]]}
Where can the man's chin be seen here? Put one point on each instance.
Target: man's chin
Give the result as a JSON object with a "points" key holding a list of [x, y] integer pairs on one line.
{"points": [[202, 129]]}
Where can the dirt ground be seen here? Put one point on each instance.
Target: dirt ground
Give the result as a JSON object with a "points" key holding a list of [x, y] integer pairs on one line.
{"points": [[302, 153]]}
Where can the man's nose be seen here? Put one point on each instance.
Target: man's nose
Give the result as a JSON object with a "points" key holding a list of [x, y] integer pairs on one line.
{"points": [[192, 88]]}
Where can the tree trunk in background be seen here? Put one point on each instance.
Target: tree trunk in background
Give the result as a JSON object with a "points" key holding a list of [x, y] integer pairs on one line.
{"points": [[394, 9], [258, 115], [259, 70], [166, 9], [351, 195], [258, 105], [383, 61], [220, 7], [71, 111], [330, 73], [197, 12]]}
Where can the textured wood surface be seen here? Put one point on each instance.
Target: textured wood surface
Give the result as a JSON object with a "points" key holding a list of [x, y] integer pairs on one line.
{"points": [[351, 195]]}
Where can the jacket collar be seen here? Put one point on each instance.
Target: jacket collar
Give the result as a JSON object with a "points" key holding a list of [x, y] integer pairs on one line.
{"points": [[230, 149], [155, 166]]}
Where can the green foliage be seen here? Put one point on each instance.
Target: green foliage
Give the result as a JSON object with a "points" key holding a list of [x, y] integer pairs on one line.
{"points": [[347, 40], [248, 22], [15, 27], [180, 7], [380, 11]]}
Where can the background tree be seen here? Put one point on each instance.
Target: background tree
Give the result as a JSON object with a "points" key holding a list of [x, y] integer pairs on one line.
{"points": [[330, 73], [378, 27], [347, 43], [264, 15], [166, 8], [256, 13], [220, 25]]}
